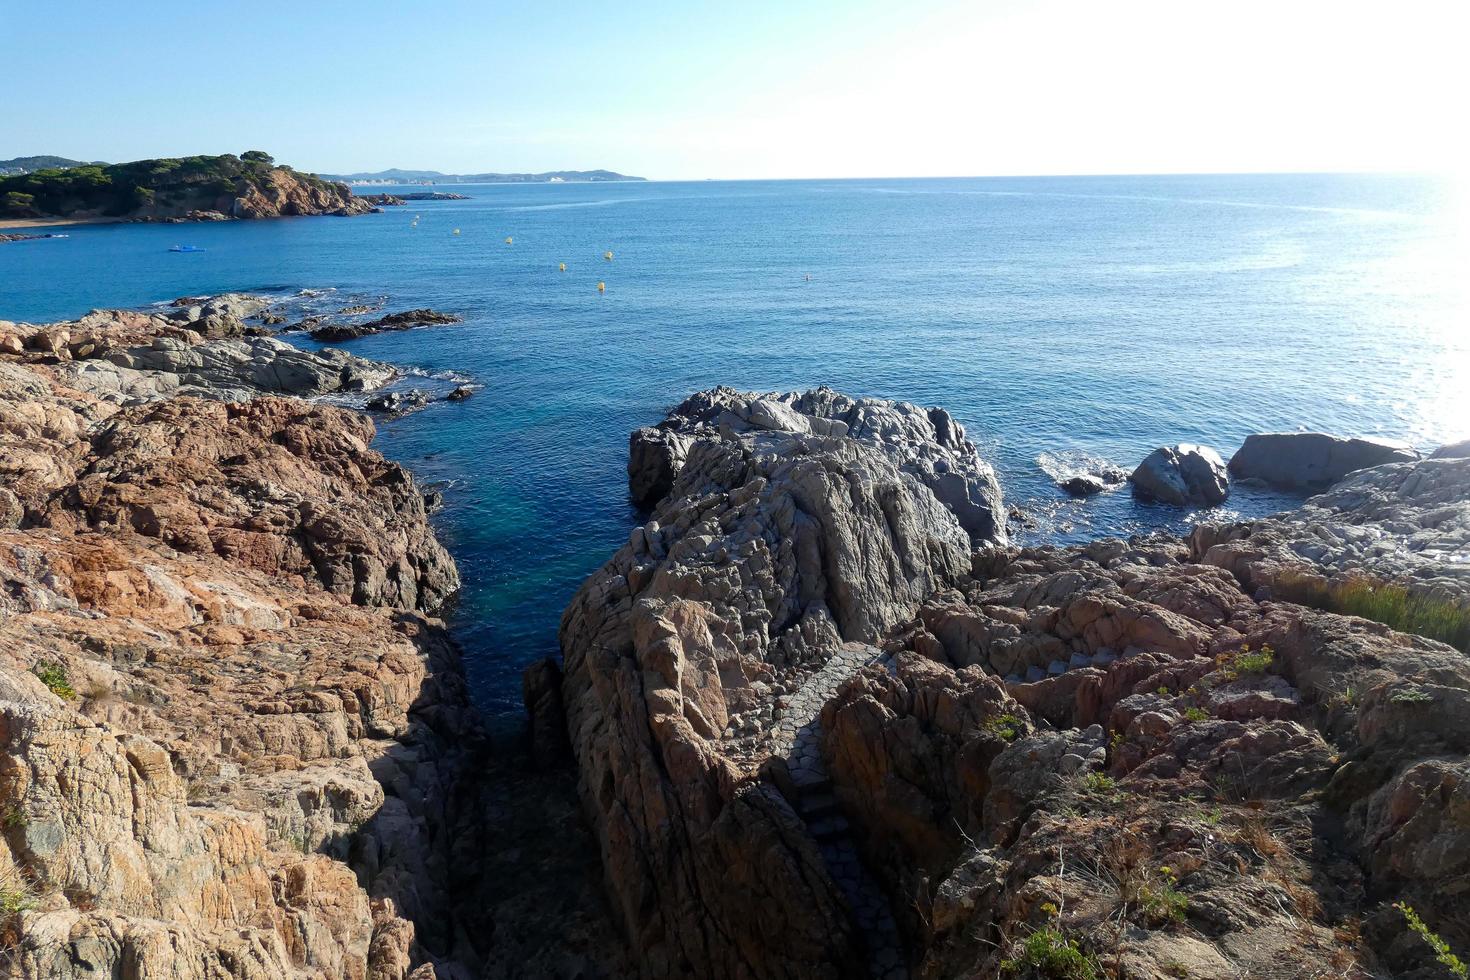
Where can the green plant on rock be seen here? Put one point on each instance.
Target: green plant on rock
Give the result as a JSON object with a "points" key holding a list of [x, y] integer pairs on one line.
{"points": [[1211, 817], [13, 900], [13, 817], [1246, 661], [1160, 900], [1047, 952], [1193, 713], [1099, 782], [1442, 953], [53, 675], [16, 893], [1006, 726], [1410, 695]]}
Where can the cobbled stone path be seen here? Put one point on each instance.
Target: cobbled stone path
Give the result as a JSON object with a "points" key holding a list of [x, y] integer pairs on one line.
{"points": [[797, 738]]}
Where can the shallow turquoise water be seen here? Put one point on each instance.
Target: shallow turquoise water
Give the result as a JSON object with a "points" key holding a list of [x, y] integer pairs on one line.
{"points": [[1053, 316]]}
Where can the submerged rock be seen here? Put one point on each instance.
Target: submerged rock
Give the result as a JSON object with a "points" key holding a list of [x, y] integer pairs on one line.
{"points": [[1185, 475], [1085, 485], [397, 403], [1311, 460]]}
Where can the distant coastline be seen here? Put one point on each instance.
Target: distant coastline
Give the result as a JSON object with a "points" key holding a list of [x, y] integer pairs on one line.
{"points": [[396, 176]]}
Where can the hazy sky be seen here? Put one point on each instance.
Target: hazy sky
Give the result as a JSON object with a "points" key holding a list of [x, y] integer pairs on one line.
{"points": [[744, 89]]}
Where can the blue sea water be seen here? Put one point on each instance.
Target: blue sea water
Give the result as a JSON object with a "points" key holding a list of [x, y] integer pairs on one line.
{"points": [[1057, 318]]}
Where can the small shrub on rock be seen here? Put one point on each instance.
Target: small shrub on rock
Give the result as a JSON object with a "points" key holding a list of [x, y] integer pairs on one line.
{"points": [[1048, 953], [1442, 954], [54, 676]]}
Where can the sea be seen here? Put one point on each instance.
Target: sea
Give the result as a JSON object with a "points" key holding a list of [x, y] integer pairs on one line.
{"points": [[1065, 321]]}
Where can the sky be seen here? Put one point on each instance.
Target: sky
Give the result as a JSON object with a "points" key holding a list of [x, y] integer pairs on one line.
{"points": [[753, 89]]}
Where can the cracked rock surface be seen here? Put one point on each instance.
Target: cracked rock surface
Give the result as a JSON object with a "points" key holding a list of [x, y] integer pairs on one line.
{"points": [[822, 728]]}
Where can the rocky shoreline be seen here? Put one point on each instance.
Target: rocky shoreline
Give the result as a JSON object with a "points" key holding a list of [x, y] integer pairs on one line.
{"points": [[816, 718], [236, 741], [827, 723]]}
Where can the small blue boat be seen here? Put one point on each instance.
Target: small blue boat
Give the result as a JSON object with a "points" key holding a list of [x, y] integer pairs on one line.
{"points": [[186, 248]]}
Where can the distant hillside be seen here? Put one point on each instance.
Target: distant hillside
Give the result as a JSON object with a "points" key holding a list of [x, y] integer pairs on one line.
{"points": [[435, 177], [215, 188], [25, 165]]}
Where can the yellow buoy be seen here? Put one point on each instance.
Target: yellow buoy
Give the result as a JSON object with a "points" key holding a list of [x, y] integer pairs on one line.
{"points": [[456, 231], [607, 255], [602, 287], [507, 239], [562, 267]]}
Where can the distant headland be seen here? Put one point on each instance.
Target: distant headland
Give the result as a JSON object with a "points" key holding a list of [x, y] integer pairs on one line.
{"points": [[197, 188], [395, 176]]}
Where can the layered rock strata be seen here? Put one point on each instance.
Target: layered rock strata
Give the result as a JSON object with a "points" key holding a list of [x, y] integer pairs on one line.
{"points": [[232, 734], [822, 729]]}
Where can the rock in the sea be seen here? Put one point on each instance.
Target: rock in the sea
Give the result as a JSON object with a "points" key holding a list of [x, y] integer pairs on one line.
{"points": [[336, 332], [460, 393], [1085, 485], [397, 403], [1185, 475], [1311, 460]]}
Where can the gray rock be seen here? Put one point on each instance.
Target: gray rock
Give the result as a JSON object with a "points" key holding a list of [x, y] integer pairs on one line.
{"points": [[1311, 460], [927, 444], [1083, 486], [1453, 450], [655, 457], [396, 403], [11, 510], [228, 370], [1401, 522], [1184, 475]]}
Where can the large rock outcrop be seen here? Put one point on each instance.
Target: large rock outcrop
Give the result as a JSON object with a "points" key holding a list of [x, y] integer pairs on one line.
{"points": [[794, 524], [1311, 460], [818, 735], [232, 736], [925, 443]]}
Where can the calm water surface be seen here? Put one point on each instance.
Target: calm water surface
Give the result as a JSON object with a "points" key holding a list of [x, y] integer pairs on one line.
{"points": [[1058, 318]]}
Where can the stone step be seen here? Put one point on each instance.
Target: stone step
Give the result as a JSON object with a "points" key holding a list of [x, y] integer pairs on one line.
{"points": [[811, 783], [818, 804], [829, 828]]}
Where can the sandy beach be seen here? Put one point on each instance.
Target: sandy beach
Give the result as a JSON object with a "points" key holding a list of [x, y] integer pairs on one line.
{"points": [[11, 223]]}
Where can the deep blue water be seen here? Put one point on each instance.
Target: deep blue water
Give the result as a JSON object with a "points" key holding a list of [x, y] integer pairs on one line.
{"points": [[1053, 316]]}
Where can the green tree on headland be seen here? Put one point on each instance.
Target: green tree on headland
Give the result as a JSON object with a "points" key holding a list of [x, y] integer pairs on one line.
{"points": [[169, 185]]}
